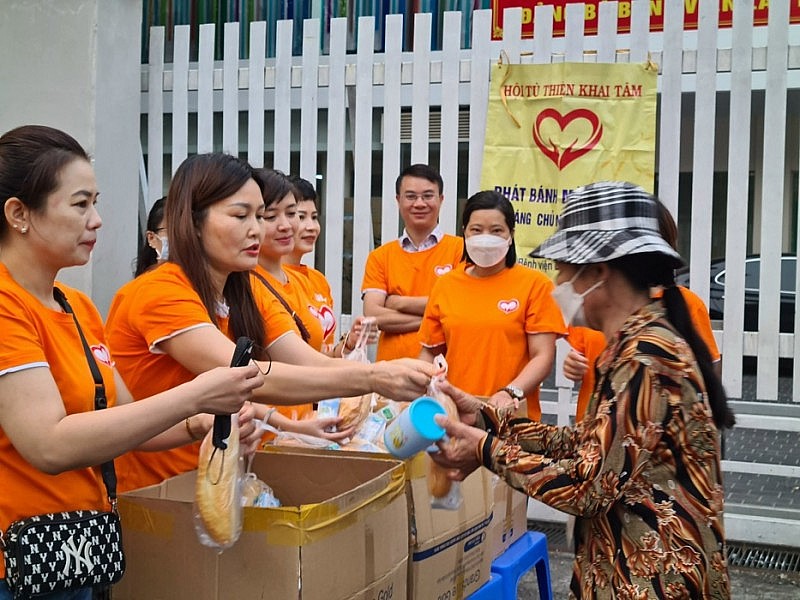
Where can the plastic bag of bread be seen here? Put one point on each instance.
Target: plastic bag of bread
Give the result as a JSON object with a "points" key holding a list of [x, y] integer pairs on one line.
{"points": [[257, 493], [218, 490], [353, 411], [445, 493]]}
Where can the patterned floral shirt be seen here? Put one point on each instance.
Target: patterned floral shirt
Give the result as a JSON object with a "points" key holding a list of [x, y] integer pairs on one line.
{"points": [[641, 473]]}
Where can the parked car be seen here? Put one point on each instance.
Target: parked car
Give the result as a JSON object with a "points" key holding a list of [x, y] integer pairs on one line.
{"points": [[716, 300]]}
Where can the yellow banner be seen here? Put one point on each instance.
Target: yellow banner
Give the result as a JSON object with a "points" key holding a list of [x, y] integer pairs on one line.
{"points": [[551, 128]]}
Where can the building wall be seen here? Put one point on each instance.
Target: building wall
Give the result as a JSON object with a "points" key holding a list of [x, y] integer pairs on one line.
{"points": [[74, 65]]}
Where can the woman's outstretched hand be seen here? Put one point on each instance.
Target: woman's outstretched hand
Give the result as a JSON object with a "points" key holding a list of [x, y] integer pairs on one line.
{"points": [[467, 404], [458, 451]]}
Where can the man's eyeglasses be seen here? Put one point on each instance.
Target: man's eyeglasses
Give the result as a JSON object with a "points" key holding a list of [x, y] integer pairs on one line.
{"points": [[426, 197]]}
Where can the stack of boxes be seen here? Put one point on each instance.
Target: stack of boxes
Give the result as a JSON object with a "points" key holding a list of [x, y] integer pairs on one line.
{"points": [[351, 525]]}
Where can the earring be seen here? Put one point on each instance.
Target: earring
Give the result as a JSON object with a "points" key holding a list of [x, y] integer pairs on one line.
{"points": [[24, 229]]}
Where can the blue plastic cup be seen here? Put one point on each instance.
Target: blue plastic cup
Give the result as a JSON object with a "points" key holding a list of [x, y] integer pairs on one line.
{"points": [[415, 428]]}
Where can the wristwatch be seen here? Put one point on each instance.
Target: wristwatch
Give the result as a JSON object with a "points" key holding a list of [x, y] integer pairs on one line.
{"points": [[515, 392]]}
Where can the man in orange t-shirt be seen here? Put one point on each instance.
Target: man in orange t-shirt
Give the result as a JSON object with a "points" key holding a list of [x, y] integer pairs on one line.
{"points": [[399, 275]]}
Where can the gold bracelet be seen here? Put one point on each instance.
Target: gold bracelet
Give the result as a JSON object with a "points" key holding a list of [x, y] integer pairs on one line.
{"points": [[192, 436]]}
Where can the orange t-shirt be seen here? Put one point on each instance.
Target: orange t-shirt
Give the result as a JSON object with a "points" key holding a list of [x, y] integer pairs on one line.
{"points": [[320, 301], [485, 323], [393, 271], [295, 293], [698, 312], [156, 306], [35, 336], [591, 343]]}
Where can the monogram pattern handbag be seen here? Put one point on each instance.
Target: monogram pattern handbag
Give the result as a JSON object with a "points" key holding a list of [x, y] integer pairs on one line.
{"points": [[67, 550], [63, 551]]}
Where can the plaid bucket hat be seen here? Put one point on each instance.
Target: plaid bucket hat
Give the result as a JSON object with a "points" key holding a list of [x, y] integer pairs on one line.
{"points": [[603, 221]]}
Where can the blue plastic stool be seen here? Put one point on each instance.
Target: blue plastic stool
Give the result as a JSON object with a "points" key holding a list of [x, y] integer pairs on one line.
{"points": [[527, 552], [491, 590]]}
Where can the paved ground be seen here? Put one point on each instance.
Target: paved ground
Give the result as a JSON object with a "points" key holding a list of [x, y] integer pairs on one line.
{"points": [[746, 583]]}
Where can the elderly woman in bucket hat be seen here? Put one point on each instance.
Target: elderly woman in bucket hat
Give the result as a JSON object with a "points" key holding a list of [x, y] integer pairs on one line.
{"points": [[641, 472]]}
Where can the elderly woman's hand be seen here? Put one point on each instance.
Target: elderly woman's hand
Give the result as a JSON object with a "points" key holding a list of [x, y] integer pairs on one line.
{"points": [[458, 452], [467, 404]]}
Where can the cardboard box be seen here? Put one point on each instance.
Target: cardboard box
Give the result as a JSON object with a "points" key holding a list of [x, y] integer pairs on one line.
{"points": [[451, 551], [509, 516], [450, 555], [341, 533]]}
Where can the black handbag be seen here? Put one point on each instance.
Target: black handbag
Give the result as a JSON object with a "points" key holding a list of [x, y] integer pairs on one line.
{"points": [[67, 550]]}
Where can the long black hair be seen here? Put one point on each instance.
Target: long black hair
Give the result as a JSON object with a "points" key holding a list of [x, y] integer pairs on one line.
{"points": [[648, 270]]}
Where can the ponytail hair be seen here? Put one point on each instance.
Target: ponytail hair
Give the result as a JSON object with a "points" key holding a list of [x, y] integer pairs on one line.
{"points": [[647, 270], [678, 315]]}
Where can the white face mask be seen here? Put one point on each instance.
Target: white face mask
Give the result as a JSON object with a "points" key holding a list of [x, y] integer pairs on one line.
{"points": [[164, 253], [487, 250], [571, 302]]}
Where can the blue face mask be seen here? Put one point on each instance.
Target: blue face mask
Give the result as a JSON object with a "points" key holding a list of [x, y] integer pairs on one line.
{"points": [[571, 302]]}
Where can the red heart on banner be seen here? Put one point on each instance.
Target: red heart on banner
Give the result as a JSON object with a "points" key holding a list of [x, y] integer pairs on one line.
{"points": [[562, 157]]}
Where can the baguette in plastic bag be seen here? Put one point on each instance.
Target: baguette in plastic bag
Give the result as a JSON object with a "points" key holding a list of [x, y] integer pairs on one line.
{"points": [[218, 491]]}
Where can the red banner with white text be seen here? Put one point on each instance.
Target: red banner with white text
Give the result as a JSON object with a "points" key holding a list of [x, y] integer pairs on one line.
{"points": [[657, 7]]}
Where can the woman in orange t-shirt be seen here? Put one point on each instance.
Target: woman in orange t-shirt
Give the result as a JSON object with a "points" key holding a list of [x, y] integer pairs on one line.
{"points": [[51, 436], [181, 318], [273, 279], [494, 320], [320, 299]]}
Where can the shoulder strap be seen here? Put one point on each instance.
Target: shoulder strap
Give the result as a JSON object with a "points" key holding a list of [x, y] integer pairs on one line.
{"points": [[100, 401], [297, 320]]}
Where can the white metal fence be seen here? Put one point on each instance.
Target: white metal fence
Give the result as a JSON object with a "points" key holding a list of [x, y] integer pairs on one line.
{"points": [[726, 104]]}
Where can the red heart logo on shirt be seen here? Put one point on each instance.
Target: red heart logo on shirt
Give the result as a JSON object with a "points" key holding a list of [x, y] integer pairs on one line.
{"points": [[102, 354], [442, 269], [508, 306], [326, 318], [581, 142]]}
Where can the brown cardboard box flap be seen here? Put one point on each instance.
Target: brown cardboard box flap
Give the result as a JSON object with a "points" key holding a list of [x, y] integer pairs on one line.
{"points": [[345, 537]]}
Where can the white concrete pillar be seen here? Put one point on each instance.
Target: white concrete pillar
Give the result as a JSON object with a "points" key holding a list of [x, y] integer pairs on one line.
{"points": [[75, 65]]}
